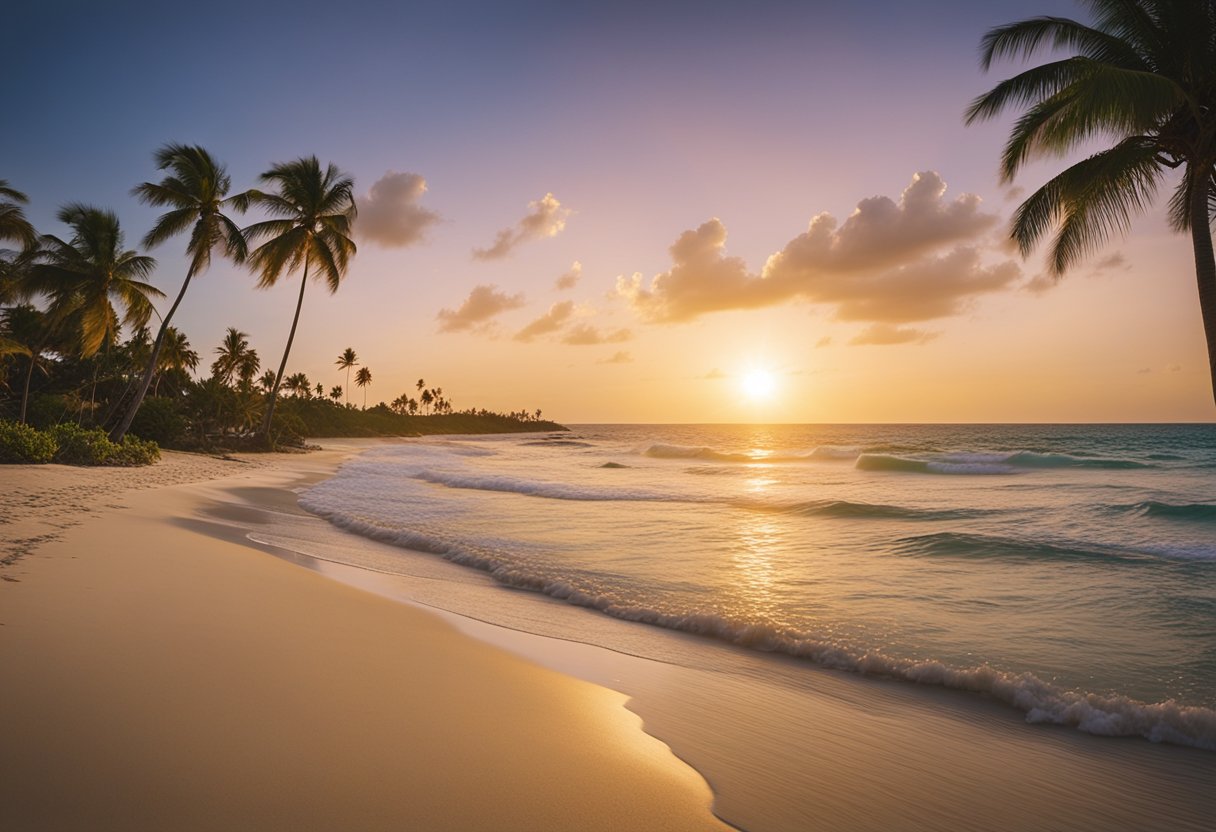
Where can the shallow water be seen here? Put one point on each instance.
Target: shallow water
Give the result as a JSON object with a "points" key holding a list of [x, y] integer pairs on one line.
{"points": [[1067, 571]]}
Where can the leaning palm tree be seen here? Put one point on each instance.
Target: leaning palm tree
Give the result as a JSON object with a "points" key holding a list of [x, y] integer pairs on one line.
{"points": [[1144, 76], [175, 354], [196, 192], [363, 378], [345, 361], [84, 277], [313, 210]]}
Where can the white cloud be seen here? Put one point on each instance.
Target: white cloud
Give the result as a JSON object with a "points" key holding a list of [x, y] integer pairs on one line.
{"points": [[390, 214], [570, 279], [551, 321], [545, 218], [482, 305], [914, 260]]}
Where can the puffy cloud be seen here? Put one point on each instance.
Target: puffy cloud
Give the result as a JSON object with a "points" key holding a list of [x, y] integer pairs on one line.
{"points": [[1115, 261], [702, 279], [586, 335], [886, 335], [482, 304], [390, 214], [622, 357], [546, 218], [570, 279], [883, 264], [551, 321]]}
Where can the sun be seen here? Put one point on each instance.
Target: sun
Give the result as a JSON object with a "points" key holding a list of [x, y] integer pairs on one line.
{"points": [[759, 384]]}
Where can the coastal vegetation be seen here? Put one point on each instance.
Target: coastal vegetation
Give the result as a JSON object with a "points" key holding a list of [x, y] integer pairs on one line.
{"points": [[1143, 76], [73, 391]]}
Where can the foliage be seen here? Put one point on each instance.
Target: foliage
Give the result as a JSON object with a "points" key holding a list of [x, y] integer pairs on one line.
{"points": [[161, 421], [20, 443], [71, 444]]}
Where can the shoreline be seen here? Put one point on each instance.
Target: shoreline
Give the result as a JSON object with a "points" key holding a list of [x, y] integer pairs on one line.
{"points": [[784, 745], [157, 677]]}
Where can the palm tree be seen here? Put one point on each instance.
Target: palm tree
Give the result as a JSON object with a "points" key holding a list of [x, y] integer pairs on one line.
{"points": [[236, 359], [14, 227], [196, 192], [335, 393], [175, 354], [427, 398], [345, 361], [83, 278], [1145, 76], [362, 379], [420, 385], [313, 212], [267, 380]]}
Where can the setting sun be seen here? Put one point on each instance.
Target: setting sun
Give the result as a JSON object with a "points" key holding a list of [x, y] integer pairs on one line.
{"points": [[759, 384]]}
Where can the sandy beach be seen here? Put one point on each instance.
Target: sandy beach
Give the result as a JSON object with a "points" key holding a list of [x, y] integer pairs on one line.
{"points": [[157, 677]]}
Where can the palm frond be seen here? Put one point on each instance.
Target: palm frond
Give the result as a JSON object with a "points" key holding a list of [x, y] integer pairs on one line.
{"points": [[1021, 40]]}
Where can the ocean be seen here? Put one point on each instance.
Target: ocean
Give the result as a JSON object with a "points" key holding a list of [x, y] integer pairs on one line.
{"points": [[1066, 571]]}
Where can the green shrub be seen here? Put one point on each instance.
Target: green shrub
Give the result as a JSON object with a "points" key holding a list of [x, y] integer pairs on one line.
{"points": [[135, 451], [82, 446], [23, 444], [159, 419], [287, 429]]}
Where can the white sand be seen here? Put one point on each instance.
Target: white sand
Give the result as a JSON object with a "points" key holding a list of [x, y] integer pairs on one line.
{"points": [[152, 677]]}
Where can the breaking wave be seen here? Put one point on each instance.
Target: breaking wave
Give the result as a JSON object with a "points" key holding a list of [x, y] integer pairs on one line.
{"points": [[1042, 702]]}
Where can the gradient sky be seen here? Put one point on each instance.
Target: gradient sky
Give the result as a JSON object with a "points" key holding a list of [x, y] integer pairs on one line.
{"points": [[648, 124]]}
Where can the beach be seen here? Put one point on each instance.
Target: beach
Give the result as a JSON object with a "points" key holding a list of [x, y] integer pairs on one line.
{"points": [[186, 647], [158, 677]]}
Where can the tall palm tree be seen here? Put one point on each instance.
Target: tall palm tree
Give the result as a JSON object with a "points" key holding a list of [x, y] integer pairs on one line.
{"points": [[345, 361], [196, 192], [84, 277], [313, 210], [363, 378], [1144, 75]]}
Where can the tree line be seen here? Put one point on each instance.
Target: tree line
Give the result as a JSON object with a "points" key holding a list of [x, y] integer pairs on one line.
{"points": [[65, 300]]}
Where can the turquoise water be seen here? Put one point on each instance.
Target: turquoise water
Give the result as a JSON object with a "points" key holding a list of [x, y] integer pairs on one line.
{"points": [[1069, 571]]}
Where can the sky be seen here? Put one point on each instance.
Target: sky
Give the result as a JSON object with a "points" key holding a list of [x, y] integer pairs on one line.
{"points": [[622, 212]]}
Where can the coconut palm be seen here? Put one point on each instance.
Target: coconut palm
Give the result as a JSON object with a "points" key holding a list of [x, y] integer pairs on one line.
{"points": [[266, 381], [345, 361], [1144, 76], [84, 277], [176, 355], [362, 379], [196, 192], [335, 393], [235, 358], [312, 210], [14, 227]]}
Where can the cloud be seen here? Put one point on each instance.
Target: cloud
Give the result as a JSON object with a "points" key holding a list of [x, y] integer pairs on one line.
{"points": [[894, 262], [551, 321], [622, 357], [823, 342], [1115, 261], [586, 335], [570, 279], [546, 218], [390, 214], [714, 375], [1040, 283], [1174, 368], [1015, 193], [883, 335], [1143, 371], [482, 304]]}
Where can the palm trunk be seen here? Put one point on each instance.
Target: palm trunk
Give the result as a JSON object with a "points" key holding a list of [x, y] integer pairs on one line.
{"points": [[29, 374], [274, 391], [347, 391], [1205, 264], [120, 431]]}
